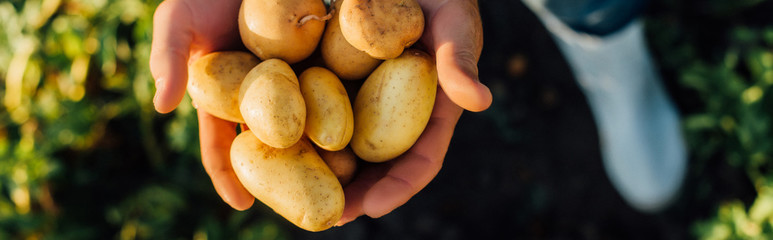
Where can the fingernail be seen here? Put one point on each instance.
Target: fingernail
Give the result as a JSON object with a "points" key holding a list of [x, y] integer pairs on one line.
{"points": [[342, 222], [159, 87]]}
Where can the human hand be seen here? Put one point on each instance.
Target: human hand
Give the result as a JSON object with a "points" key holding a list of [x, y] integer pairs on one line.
{"points": [[183, 31], [455, 35]]}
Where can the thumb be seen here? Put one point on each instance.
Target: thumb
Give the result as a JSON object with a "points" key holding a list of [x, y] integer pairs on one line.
{"points": [[170, 49], [457, 37]]}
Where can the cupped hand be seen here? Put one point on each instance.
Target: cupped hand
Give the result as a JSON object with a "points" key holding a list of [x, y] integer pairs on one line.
{"points": [[187, 29], [455, 35], [184, 30]]}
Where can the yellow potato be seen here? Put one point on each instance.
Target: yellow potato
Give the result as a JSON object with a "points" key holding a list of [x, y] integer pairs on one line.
{"points": [[294, 182], [329, 119], [340, 57], [393, 106], [272, 105], [343, 163], [214, 80], [381, 28], [286, 29]]}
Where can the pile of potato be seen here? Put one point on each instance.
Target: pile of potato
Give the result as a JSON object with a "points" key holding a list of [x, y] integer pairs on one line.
{"points": [[294, 157]]}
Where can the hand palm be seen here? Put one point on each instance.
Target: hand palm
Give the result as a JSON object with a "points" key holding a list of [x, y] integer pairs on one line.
{"points": [[206, 26]]}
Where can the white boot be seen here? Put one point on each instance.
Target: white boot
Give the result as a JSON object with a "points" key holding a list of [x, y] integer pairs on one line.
{"points": [[641, 140]]}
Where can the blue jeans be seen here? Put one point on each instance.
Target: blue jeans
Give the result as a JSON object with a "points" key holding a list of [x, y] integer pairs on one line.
{"points": [[597, 17]]}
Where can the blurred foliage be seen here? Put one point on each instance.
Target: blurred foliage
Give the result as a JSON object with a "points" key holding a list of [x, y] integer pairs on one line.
{"points": [[74, 74], [721, 53]]}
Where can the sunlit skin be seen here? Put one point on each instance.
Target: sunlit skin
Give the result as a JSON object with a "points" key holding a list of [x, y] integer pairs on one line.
{"points": [[184, 30]]}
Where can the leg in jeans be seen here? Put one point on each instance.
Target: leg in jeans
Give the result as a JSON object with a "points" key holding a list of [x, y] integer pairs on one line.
{"points": [[596, 17]]}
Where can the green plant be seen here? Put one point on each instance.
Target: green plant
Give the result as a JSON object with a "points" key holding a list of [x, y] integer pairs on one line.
{"points": [[83, 154], [721, 52]]}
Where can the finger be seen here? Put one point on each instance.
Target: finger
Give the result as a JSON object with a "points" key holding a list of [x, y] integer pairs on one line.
{"points": [[172, 37], [355, 191], [457, 37], [216, 136], [413, 170]]}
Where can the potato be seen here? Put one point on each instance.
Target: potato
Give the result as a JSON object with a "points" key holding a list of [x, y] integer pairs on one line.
{"points": [[286, 29], [294, 182], [343, 163], [381, 28], [214, 80], [272, 105], [393, 106], [340, 57], [329, 119]]}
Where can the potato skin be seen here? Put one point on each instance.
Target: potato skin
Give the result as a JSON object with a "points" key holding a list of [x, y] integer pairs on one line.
{"points": [[270, 28], [393, 106], [214, 81], [295, 182], [343, 163], [342, 58], [272, 105], [381, 28], [329, 117]]}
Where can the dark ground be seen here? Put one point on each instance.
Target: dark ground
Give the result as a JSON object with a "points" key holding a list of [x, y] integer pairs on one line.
{"points": [[529, 167]]}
